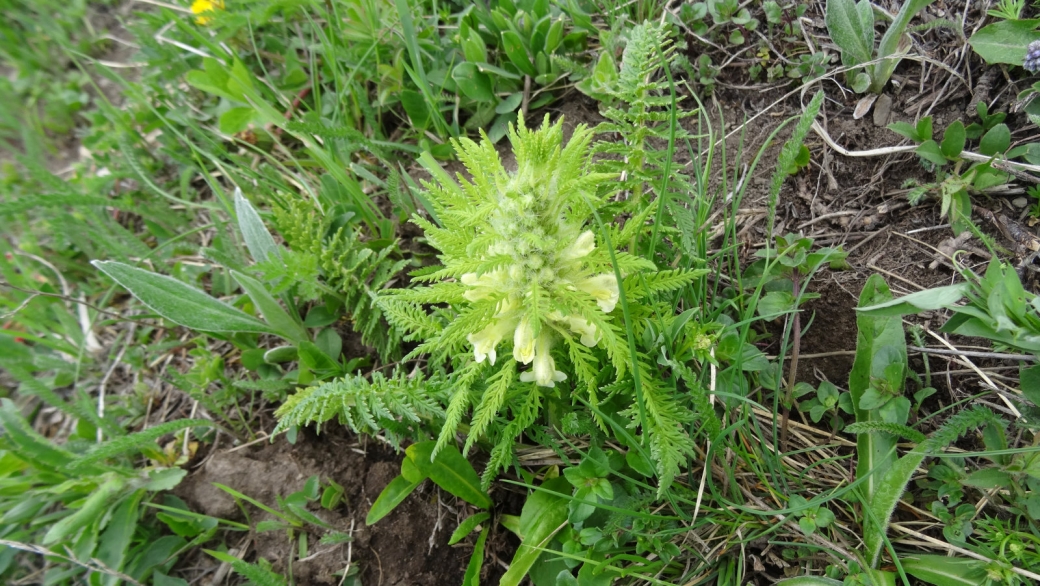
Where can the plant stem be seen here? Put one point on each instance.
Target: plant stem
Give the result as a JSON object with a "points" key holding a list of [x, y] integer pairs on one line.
{"points": [[796, 341]]}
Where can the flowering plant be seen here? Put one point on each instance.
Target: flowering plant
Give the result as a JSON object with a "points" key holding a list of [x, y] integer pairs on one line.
{"points": [[525, 277], [202, 10]]}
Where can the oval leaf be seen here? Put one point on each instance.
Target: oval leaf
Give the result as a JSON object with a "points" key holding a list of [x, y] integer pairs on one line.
{"points": [[927, 300], [181, 303], [394, 493], [1005, 41], [542, 516], [450, 471], [473, 83], [517, 52], [953, 140], [945, 571], [258, 240], [996, 141]]}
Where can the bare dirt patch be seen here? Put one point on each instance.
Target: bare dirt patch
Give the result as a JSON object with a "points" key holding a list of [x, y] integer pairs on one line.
{"points": [[408, 547]]}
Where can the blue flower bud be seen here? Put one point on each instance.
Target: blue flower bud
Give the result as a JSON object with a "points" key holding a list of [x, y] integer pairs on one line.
{"points": [[1032, 62]]}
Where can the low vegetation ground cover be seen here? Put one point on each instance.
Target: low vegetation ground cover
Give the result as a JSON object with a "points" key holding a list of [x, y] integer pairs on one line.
{"points": [[525, 291]]}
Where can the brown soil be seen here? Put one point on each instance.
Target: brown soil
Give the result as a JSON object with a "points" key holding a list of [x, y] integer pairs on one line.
{"points": [[406, 548]]}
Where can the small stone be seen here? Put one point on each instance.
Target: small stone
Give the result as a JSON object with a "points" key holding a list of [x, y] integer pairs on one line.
{"points": [[1020, 202], [882, 110]]}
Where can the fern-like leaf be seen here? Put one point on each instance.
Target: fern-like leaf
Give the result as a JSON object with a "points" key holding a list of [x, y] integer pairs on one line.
{"points": [[396, 404]]}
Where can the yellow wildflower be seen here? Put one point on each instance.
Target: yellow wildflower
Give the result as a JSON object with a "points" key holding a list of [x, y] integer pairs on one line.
{"points": [[201, 7]]}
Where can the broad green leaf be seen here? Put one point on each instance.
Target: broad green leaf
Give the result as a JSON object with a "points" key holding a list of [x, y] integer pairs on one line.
{"points": [[945, 571], [554, 36], [852, 28], [880, 341], [996, 141], [181, 303], [511, 103], [887, 491], [474, 84], [449, 470], [606, 69], [953, 140], [594, 573], [512, 523], [924, 128], [394, 493], [566, 578], [164, 479], [212, 79], [927, 300], [316, 359], [236, 120], [115, 541], [26, 443], [542, 516], [240, 81], [409, 471], [906, 129], [279, 319], [415, 106], [517, 53], [775, 303], [960, 211], [473, 47], [1005, 41], [476, 560], [930, 151], [155, 554], [987, 177], [160, 579], [258, 240], [95, 506], [890, 43], [1029, 379], [988, 478], [467, 526]]}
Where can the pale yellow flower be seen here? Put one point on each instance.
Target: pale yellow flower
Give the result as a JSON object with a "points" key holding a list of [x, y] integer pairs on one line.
{"points": [[585, 244], [485, 341], [604, 288], [523, 342], [201, 7], [589, 333], [544, 373], [483, 286]]}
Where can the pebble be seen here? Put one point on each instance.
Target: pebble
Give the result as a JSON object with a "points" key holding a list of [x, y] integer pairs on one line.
{"points": [[1020, 202], [882, 110]]}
